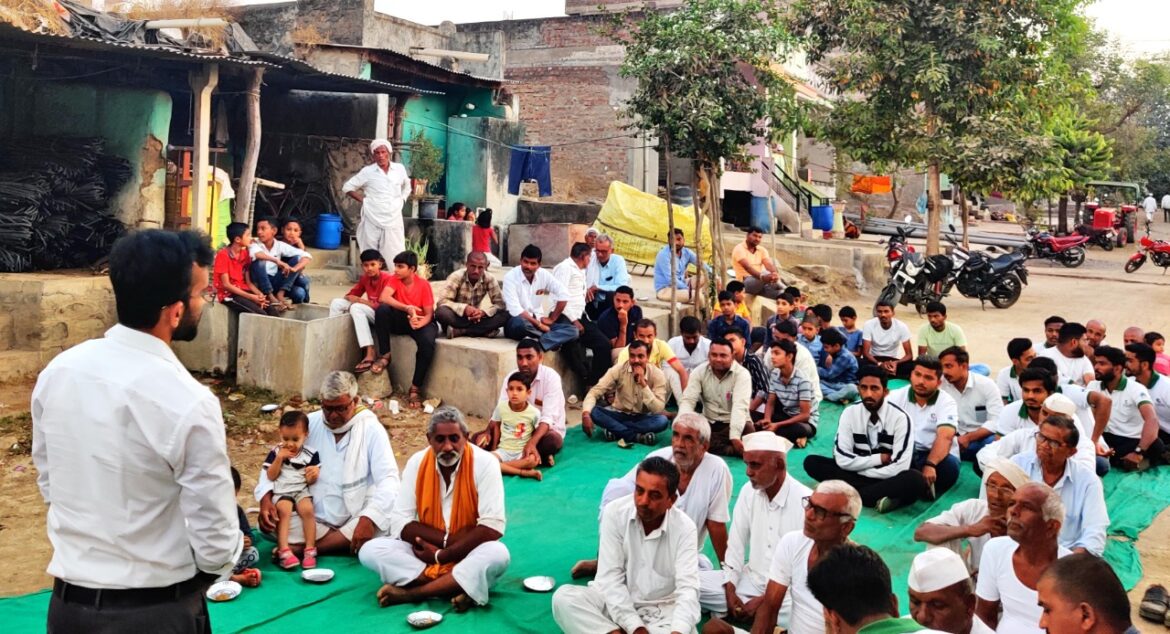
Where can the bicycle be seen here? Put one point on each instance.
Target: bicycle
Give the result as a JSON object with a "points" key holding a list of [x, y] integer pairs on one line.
{"points": [[301, 201]]}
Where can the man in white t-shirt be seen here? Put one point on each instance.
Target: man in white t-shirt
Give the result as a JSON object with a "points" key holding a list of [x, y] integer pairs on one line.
{"points": [[1150, 206], [1165, 207], [934, 419], [1034, 521], [1069, 355], [1020, 353], [942, 595], [830, 514], [1139, 364], [768, 507], [690, 346], [704, 489], [885, 341], [977, 398], [1132, 431]]}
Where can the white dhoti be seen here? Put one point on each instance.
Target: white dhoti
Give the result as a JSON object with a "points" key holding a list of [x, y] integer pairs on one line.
{"points": [[674, 380], [395, 563], [383, 232], [713, 598], [581, 610], [362, 316]]}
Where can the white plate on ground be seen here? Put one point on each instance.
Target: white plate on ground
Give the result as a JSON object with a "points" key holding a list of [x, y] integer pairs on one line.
{"points": [[224, 591], [423, 619], [540, 584], [269, 408], [317, 575]]}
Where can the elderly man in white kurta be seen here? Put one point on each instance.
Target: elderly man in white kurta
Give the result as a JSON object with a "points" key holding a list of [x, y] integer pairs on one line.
{"points": [[645, 581], [358, 477], [768, 506], [382, 189], [446, 525]]}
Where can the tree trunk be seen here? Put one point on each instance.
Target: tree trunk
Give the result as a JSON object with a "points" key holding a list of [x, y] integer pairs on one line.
{"points": [[1062, 215], [966, 218], [246, 191], [701, 272], [933, 208], [670, 244]]}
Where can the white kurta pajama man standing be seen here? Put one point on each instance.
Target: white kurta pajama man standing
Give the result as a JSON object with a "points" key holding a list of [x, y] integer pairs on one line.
{"points": [[642, 580], [385, 193], [394, 560]]}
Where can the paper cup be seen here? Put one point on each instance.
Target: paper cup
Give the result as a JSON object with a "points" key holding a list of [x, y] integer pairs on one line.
{"points": [[428, 409], [394, 407]]}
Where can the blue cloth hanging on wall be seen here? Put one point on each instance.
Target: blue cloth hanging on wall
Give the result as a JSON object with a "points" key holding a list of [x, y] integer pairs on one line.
{"points": [[530, 163]]}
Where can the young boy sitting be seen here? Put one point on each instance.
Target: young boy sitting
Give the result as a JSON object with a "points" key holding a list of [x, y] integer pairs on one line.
{"points": [[728, 320], [232, 278], [838, 369], [285, 465], [849, 328], [291, 234], [243, 572], [799, 302], [276, 266], [784, 307], [408, 308], [361, 302], [824, 312], [810, 337], [511, 427]]}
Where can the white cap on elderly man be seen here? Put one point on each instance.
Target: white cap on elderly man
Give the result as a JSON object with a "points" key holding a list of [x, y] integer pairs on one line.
{"points": [[935, 569], [1010, 471], [377, 143], [766, 441], [1060, 404]]}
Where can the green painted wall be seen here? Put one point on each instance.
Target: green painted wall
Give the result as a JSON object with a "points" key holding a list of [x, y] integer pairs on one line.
{"points": [[431, 115], [467, 163]]}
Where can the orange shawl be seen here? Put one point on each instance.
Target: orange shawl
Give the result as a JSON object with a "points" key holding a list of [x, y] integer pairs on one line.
{"points": [[464, 506]]}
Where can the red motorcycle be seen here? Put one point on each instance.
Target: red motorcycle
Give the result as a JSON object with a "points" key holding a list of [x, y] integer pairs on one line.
{"points": [[1158, 251], [1067, 250]]}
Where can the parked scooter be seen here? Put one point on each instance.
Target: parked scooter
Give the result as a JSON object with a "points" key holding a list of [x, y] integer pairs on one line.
{"points": [[1157, 251], [1069, 251], [1104, 238]]}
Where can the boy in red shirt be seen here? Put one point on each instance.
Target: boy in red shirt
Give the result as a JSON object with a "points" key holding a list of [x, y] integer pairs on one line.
{"points": [[233, 280], [360, 302], [408, 308]]}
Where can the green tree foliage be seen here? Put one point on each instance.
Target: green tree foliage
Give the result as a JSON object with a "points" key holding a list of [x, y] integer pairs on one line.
{"points": [[926, 81]]}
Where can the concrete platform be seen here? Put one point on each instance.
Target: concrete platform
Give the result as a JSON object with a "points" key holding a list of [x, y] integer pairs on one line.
{"points": [[215, 345], [292, 354]]}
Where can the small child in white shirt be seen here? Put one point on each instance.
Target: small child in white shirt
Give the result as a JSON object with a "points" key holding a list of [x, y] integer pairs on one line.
{"points": [[287, 466], [511, 427]]}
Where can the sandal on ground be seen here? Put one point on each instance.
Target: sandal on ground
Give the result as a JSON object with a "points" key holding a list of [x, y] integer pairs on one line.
{"points": [[380, 365], [1154, 603], [287, 559], [363, 366], [310, 558], [414, 399]]}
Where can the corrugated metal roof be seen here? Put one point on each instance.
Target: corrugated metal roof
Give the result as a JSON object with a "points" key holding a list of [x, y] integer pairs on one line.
{"points": [[304, 67], [416, 60], [99, 45]]}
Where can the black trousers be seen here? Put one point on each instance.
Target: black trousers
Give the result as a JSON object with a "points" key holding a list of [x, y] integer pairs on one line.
{"points": [[242, 304], [905, 487], [797, 431], [481, 328], [182, 614], [903, 370], [594, 340], [391, 321], [1123, 446]]}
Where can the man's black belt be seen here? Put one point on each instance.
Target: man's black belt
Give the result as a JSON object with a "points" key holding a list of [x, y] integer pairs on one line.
{"points": [[132, 597]]}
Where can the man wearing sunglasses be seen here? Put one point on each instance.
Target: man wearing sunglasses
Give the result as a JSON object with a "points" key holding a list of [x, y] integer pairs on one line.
{"points": [[1086, 517]]}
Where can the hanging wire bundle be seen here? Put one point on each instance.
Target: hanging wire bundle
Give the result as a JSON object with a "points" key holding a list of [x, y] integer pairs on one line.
{"points": [[54, 202]]}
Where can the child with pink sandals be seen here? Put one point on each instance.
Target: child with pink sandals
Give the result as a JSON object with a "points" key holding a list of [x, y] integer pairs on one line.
{"points": [[285, 466]]}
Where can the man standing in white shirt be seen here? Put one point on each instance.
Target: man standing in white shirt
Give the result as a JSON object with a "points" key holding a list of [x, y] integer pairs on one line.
{"points": [[1069, 355], [1166, 207], [934, 417], [446, 525], [149, 437], [942, 596], [525, 288], [830, 514], [885, 342], [1132, 431], [768, 507], [977, 398], [357, 480], [645, 579], [381, 188], [1150, 206], [571, 274]]}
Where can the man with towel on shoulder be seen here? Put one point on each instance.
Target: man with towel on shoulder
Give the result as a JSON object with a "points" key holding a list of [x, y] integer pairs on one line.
{"points": [[942, 595], [381, 188]]}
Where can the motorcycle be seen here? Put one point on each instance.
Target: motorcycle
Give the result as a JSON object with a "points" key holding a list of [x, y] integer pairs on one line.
{"points": [[919, 280], [897, 247], [1157, 251], [1068, 251], [1104, 238]]}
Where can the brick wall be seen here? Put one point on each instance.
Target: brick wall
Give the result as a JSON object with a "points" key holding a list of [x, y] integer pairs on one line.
{"points": [[586, 7]]}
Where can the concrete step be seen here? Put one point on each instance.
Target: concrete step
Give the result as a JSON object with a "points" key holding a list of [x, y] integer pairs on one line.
{"points": [[323, 258], [330, 277]]}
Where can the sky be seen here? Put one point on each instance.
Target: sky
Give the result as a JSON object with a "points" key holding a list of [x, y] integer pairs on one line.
{"points": [[1143, 26]]}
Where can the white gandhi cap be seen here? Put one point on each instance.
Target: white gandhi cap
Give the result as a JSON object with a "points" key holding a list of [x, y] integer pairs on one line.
{"points": [[1060, 404], [935, 569], [766, 441]]}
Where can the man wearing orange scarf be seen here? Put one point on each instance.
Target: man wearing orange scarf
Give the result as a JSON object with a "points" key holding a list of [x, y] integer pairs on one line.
{"points": [[446, 523]]}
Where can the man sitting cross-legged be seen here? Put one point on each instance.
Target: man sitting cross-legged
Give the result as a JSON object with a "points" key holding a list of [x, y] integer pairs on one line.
{"points": [[646, 582], [545, 392], [873, 449], [724, 390], [446, 525], [661, 356], [768, 507], [639, 401], [704, 488], [472, 302]]}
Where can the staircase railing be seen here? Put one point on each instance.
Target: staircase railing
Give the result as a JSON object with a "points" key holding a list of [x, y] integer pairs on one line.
{"points": [[783, 183]]}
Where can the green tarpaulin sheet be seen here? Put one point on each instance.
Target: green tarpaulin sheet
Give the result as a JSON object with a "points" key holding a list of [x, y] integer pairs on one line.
{"points": [[552, 524]]}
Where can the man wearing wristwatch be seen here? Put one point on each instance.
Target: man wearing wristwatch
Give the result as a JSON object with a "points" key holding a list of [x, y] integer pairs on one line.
{"points": [[934, 417], [1132, 431]]}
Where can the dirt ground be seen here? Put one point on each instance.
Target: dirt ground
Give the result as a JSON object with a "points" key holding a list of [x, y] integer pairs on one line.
{"points": [[1100, 289]]}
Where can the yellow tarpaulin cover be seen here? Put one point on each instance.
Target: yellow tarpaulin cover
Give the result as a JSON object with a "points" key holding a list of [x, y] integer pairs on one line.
{"points": [[638, 225]]}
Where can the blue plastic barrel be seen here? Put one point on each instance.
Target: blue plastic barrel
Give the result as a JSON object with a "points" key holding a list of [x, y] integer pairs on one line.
{"points": [[328, 231], [822, 217], [761, 217]]}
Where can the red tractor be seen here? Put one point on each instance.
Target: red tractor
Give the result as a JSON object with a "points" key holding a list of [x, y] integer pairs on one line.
{"points": [[1113, 204]]}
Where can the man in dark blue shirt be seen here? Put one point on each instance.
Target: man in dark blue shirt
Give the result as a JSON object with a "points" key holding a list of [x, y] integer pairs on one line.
{"points": [[617, 322]]}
